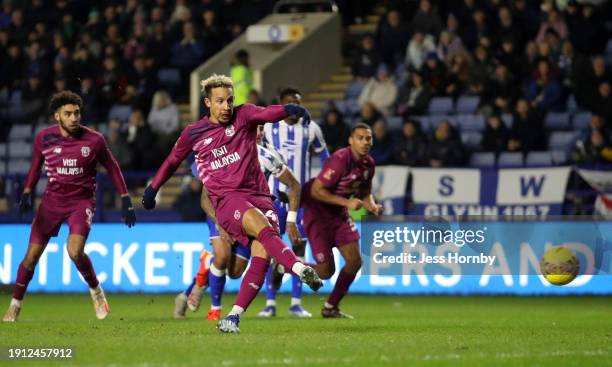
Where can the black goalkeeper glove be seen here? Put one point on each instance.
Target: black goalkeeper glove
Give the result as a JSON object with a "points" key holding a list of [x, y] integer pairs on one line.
{"points": [[148, 198], [25, 203], [127, 211], [293, 109]]}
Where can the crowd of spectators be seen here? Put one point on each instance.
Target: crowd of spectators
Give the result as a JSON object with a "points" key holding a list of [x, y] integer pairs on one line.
{"points": [[110, 52], [522, 59]]}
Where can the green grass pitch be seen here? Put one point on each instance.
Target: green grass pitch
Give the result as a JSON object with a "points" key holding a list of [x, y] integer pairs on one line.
{"points": [[387, 331]]}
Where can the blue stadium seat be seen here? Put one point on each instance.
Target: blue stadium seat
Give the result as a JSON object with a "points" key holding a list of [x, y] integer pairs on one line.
{"points": [[557, 121], [467, 104], [539, 159], [353, 90], [559, 157], [394, 123], [169, 77], [19, 149], [3, 166], [341, 106], [440, 105], [20, 132], [352, 106], [482, 160], [507, 118], [471, 140], [562, 140], [15, 105], [425, 121], [120, 112], [510, 159], [470, 122], [434, 120], [3, 150], [581, 120], [19, 166]]}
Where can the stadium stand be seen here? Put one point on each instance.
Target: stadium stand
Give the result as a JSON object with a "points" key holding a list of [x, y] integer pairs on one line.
{"points": [[120, 56]]}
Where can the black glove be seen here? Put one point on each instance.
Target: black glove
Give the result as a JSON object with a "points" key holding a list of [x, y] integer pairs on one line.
{"points": [[25, 203], [148, 198], [293, 109], [282, 197], [127, 211]]}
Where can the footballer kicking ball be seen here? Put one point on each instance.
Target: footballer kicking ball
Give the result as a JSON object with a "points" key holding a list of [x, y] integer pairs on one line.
{"points": [[559, 265]]}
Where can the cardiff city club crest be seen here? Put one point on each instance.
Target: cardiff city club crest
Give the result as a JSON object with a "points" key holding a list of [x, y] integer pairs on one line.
{"points": [[229, 131], [85, 151], [328, 173]]}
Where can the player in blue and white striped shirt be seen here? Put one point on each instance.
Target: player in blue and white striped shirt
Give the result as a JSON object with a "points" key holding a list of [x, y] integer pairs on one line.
{"points": [[295, 140]]}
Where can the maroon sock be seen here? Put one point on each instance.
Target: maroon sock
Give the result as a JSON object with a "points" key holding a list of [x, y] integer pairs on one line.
{"points": [[23, 279], [277, 248], [343, 283], [87, 271], [252, 282]]}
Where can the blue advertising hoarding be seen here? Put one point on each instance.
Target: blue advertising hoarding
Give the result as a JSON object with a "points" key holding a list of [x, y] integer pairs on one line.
{"points": [[164, 258]]}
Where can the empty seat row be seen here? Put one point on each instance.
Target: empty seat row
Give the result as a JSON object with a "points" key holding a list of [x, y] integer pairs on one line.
{"points": [[567, 121], [444, 105], [517, 159]]}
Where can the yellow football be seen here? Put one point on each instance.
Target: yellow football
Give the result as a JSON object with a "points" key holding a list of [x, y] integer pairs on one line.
{"points": [[559, 265]]}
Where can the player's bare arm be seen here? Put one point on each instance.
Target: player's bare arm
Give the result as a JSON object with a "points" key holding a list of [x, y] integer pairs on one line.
{"points": [[319, 192], [287, 178], [369, 203]]}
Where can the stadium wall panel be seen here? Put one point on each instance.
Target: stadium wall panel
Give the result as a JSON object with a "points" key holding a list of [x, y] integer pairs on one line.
{"points": [[164, 258]]}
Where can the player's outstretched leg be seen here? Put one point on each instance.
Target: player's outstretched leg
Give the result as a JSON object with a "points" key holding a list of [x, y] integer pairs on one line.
{"points": [[25, 272], [352, 257], [257, 225], [194, 298], [76, 246]]}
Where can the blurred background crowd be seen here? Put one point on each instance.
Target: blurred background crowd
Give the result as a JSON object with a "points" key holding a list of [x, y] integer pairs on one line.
{"points": [[442, 83]]}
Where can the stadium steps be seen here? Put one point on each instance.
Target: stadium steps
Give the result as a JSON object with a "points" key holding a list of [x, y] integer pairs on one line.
{"points": [[342, 78], [370, 24], [332, 87], [335, 88], [330, 90], [356, 29], [325, 95]]}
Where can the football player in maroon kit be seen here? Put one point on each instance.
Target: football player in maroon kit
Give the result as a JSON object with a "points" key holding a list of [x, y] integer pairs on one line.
{"points": [[70, 153]]}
